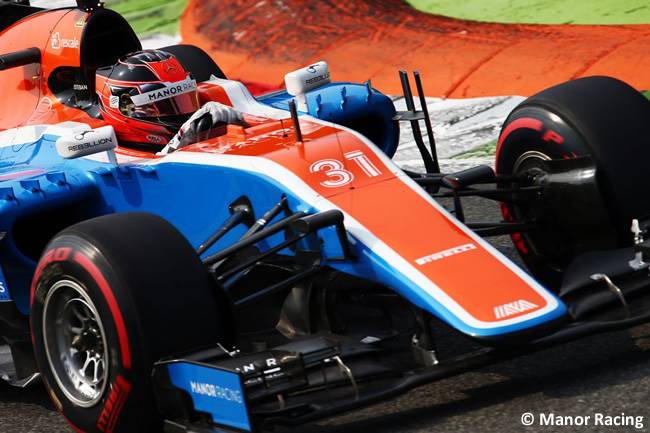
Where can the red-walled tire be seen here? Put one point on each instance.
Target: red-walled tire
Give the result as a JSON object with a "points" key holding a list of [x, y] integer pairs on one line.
{"points": [[603, 118], [111, 296]]}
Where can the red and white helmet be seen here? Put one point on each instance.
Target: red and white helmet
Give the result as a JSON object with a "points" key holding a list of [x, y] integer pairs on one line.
{"points": [[146, 96]]}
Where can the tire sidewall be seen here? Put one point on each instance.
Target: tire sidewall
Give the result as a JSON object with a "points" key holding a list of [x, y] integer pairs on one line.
{"points": [[609, 119], [125, 399], [534, 129], [539, 133]]}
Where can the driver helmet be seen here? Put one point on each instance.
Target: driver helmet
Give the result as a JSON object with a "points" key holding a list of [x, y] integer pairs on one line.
{"points": [[146, 96]]}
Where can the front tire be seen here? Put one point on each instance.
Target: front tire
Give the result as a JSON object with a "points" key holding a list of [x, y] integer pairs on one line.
{"points": [[111, 296], [599, 117]]}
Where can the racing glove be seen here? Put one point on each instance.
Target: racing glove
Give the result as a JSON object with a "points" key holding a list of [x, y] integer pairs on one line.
{"points": [[216, 111]]}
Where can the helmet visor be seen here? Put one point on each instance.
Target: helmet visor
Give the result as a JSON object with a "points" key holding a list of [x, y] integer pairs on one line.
{"points": [[174, 106], [165, 99]]}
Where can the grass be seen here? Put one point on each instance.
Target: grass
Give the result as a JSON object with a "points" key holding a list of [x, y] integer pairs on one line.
{"points": [[151, 16], [482, 151]]}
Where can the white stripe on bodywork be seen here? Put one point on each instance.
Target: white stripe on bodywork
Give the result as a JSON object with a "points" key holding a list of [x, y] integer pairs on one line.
{"points": [[420, 191], [31, 134], [243, 101], [284, 176]]}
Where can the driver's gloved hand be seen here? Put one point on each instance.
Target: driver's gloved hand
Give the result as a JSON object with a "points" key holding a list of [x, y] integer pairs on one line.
{"points": [[216, 111]]}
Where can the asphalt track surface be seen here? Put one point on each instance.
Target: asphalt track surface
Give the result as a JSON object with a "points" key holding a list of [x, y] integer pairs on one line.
{"points": [[607, 374]]}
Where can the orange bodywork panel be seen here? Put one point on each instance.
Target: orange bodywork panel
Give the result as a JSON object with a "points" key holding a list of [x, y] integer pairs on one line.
{"points": [[57, 34]]}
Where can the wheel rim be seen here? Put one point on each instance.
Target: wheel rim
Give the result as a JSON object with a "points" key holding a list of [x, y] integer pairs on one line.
{"points": [[541, 244], [528, 160], [531, 162], [75, 343]]}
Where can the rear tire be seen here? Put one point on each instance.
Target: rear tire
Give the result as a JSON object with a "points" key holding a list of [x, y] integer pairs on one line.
{"points": [[111, 296], [603, 118]]}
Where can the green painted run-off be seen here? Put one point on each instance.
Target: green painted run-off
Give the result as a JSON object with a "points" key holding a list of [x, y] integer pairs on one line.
{"points": [[541, 11]]}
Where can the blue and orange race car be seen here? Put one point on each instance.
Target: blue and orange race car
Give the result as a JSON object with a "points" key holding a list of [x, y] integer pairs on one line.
{"points": [[281, 268]]}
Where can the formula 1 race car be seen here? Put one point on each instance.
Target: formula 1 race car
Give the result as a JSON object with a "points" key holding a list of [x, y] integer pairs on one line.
{"points": [[280, 269]]}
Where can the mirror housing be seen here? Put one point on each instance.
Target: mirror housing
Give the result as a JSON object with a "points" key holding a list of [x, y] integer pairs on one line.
{"points": [[303, 80], [88, 143]]}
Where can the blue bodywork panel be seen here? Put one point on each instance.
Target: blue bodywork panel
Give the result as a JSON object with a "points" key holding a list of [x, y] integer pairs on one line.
{"points": [[213, 390], [35, 183], [348, 104]]}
